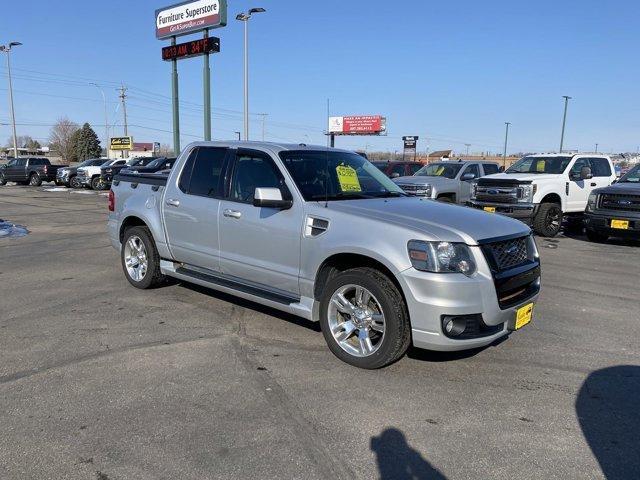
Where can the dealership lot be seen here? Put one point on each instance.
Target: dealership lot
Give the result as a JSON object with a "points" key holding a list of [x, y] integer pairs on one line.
{"points": [[99, 379]]}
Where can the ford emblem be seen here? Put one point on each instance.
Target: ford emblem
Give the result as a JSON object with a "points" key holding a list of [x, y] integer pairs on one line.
{"points": [[492, 192], [512, 250], [624, 202]]}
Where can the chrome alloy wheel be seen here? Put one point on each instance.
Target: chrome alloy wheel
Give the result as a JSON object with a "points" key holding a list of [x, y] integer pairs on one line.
{"points": [[356, 320], [135, 258]]}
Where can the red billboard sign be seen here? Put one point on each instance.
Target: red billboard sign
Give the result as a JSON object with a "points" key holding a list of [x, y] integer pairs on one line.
{"points": [[357, 125]]}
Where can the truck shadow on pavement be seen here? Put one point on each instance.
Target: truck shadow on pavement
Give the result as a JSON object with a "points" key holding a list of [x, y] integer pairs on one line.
{"points": [[608, 409], [398, 461]]}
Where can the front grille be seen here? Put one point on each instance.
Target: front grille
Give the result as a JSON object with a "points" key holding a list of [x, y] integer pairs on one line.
{"points": [[617, 201], [509, 253], [413, 189], [497, 194]]}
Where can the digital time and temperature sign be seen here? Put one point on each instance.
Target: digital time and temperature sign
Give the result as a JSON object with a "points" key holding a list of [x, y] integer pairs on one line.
{"points": [[191, 49]]}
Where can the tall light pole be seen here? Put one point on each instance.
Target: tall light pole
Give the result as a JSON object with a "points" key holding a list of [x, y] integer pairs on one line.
{"points": [[506, 137], [6, 49], [564, 120], [467, 145], [596, 148], [106, 119], [244, 17]]}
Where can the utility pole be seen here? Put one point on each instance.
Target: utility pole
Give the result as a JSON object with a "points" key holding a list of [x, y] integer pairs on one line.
{"points": [[564, 120], [506, 137], [6, 49], [263, 116], [175, 107], [596, 148], [123, 96], [467, 145]]}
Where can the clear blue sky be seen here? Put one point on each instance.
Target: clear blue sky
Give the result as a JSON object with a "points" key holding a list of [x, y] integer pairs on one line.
{"points": [[452, 72]]}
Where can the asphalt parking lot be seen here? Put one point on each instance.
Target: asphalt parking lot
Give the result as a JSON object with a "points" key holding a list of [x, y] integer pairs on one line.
{"points": [[100, 380]]}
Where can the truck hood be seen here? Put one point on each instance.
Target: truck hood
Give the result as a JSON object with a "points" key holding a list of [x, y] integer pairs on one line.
{"points": [[624, 188], [526, 177], [423, 180], [434, 220]]}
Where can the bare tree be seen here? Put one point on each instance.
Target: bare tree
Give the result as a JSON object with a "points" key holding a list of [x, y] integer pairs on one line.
{"points": [[165, 151], [62, 138]]}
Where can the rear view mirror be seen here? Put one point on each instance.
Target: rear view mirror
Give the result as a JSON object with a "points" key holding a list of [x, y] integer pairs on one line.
{"points": [[501, 168], [270, 198]]}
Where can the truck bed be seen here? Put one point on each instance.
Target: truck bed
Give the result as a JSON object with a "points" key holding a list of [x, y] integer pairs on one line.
{"points": [[159, 179]]}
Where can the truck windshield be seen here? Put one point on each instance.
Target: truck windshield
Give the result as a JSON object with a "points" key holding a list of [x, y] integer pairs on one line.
{"points": [[337, 176], [632, 176], [540, 165], [448, 170]]}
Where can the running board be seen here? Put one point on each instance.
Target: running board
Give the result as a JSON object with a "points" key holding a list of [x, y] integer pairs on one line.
{"points": [[226, 282]]}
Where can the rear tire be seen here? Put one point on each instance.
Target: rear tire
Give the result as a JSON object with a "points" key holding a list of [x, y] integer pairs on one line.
{"points": [[548, 220], [384, 310], [140, 259], [597, 237], [3, 181], [35, 180]]}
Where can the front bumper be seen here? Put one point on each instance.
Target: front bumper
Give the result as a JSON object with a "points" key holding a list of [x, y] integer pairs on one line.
{"points": [[520, 211], [601, 223], [430, 296]]}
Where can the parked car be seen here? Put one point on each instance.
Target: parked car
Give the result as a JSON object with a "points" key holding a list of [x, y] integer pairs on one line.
{"points": [[32, 171], [398, 169], [327, 236], [89, 176], [446, 181], [107, 172], [542, 190], [614, 211], [67, 176], [157, 165]]}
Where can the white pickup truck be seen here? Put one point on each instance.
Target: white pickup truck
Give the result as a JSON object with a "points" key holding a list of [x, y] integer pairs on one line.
{"points": [[543, 189]]}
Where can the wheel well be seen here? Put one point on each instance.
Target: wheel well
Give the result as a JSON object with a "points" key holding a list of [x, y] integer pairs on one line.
{"points": [[346, 261], [130, 222], [552, 198]]}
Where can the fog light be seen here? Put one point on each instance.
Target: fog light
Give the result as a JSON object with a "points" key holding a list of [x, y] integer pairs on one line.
{"points": [[454, 326]]}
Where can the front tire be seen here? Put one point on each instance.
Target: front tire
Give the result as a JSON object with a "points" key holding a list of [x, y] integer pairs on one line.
{"points": [[595, 236], [364, 318], [140, 258], [3, 181], [96, 183], [548, 220], [74, 182], [35, 180]]}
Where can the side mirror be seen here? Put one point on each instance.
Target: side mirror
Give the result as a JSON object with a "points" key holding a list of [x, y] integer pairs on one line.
{"points": [[467, 177], [501, 168], [270, 198], [585, 173], [395, 175]]}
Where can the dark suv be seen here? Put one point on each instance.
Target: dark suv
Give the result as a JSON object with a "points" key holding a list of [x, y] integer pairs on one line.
{"points": [[614, 211]]}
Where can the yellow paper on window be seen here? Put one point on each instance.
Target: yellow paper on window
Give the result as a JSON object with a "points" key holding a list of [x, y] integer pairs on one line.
{"points": [[540, 166], [439, 171], [348, 179]]}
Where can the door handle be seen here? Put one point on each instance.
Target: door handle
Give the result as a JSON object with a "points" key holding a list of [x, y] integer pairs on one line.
{"points": [[232, 213], [593, 184], [172, 202]]}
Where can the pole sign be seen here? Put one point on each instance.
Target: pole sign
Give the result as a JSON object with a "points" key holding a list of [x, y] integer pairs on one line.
{"points": [[358, 125], [191, 49], [121, 143], [191, 16], [410, 142]]}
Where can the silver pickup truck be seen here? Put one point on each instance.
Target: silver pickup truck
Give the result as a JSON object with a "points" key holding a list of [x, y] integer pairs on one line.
{"points": [[323, 234]]}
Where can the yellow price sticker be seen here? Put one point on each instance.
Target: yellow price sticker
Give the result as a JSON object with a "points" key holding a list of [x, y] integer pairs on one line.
{"points": [[348, 178]]}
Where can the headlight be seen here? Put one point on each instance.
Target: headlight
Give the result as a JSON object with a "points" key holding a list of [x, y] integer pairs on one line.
{"points": [[474, 190], [441, 257], [526, 193], [591, 203], [108, 170]]}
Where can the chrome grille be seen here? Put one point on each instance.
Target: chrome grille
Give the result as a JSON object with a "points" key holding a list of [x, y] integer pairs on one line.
{"points": [[414, 189], [497, 194], [616, 201], [509, 253]]}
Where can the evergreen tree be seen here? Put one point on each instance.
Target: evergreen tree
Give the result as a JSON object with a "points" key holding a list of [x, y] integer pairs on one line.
{"points": [[87, 144]]}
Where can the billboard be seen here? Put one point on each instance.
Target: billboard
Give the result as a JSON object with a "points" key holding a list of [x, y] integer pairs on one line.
{"points": [[190, 16], [121, 143], [410, 142], [358, 125], [191, 49]]}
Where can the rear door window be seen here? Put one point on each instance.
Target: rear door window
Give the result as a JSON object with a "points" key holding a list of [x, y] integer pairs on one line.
{"points": [[205, 177], [21, 162], [600, 167]]}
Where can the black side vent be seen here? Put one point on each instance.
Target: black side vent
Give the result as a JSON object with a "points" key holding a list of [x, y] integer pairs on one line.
{"points": [[315, 226]]}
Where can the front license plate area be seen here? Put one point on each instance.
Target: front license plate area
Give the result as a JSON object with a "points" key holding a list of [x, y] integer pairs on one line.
{"points": [[523, 316], [620, 224], [489, 209]]}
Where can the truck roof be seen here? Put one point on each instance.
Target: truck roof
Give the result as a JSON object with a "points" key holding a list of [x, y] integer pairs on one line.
{"points": [[274, 146]]}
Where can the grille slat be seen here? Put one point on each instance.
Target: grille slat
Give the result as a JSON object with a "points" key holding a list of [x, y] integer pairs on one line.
{"points": [[497, 193], [509, 253], [616, 201]]}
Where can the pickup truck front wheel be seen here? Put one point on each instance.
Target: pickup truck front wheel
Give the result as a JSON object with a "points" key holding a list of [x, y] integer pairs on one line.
{"points": [[35, 180], [548, 220], [140, 259], [364, 319], [3, 181]]}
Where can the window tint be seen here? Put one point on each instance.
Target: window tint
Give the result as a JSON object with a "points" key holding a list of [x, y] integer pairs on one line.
{"points": [[185, 175], [490, 168], [251, 171], [577, 167], [21, 162], [600, 167], [414, 167], [205, 175], [399, 169], [473, 168]]}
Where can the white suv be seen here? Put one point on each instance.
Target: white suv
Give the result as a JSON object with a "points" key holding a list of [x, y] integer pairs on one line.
{"points": [[542, 189]]}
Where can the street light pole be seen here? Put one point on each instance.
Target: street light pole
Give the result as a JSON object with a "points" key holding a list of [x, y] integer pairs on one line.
{"points": [[596, 148], [6, 49], [244, 17], [106, 120], [506, 137], [564, 120], [467, 145]]}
